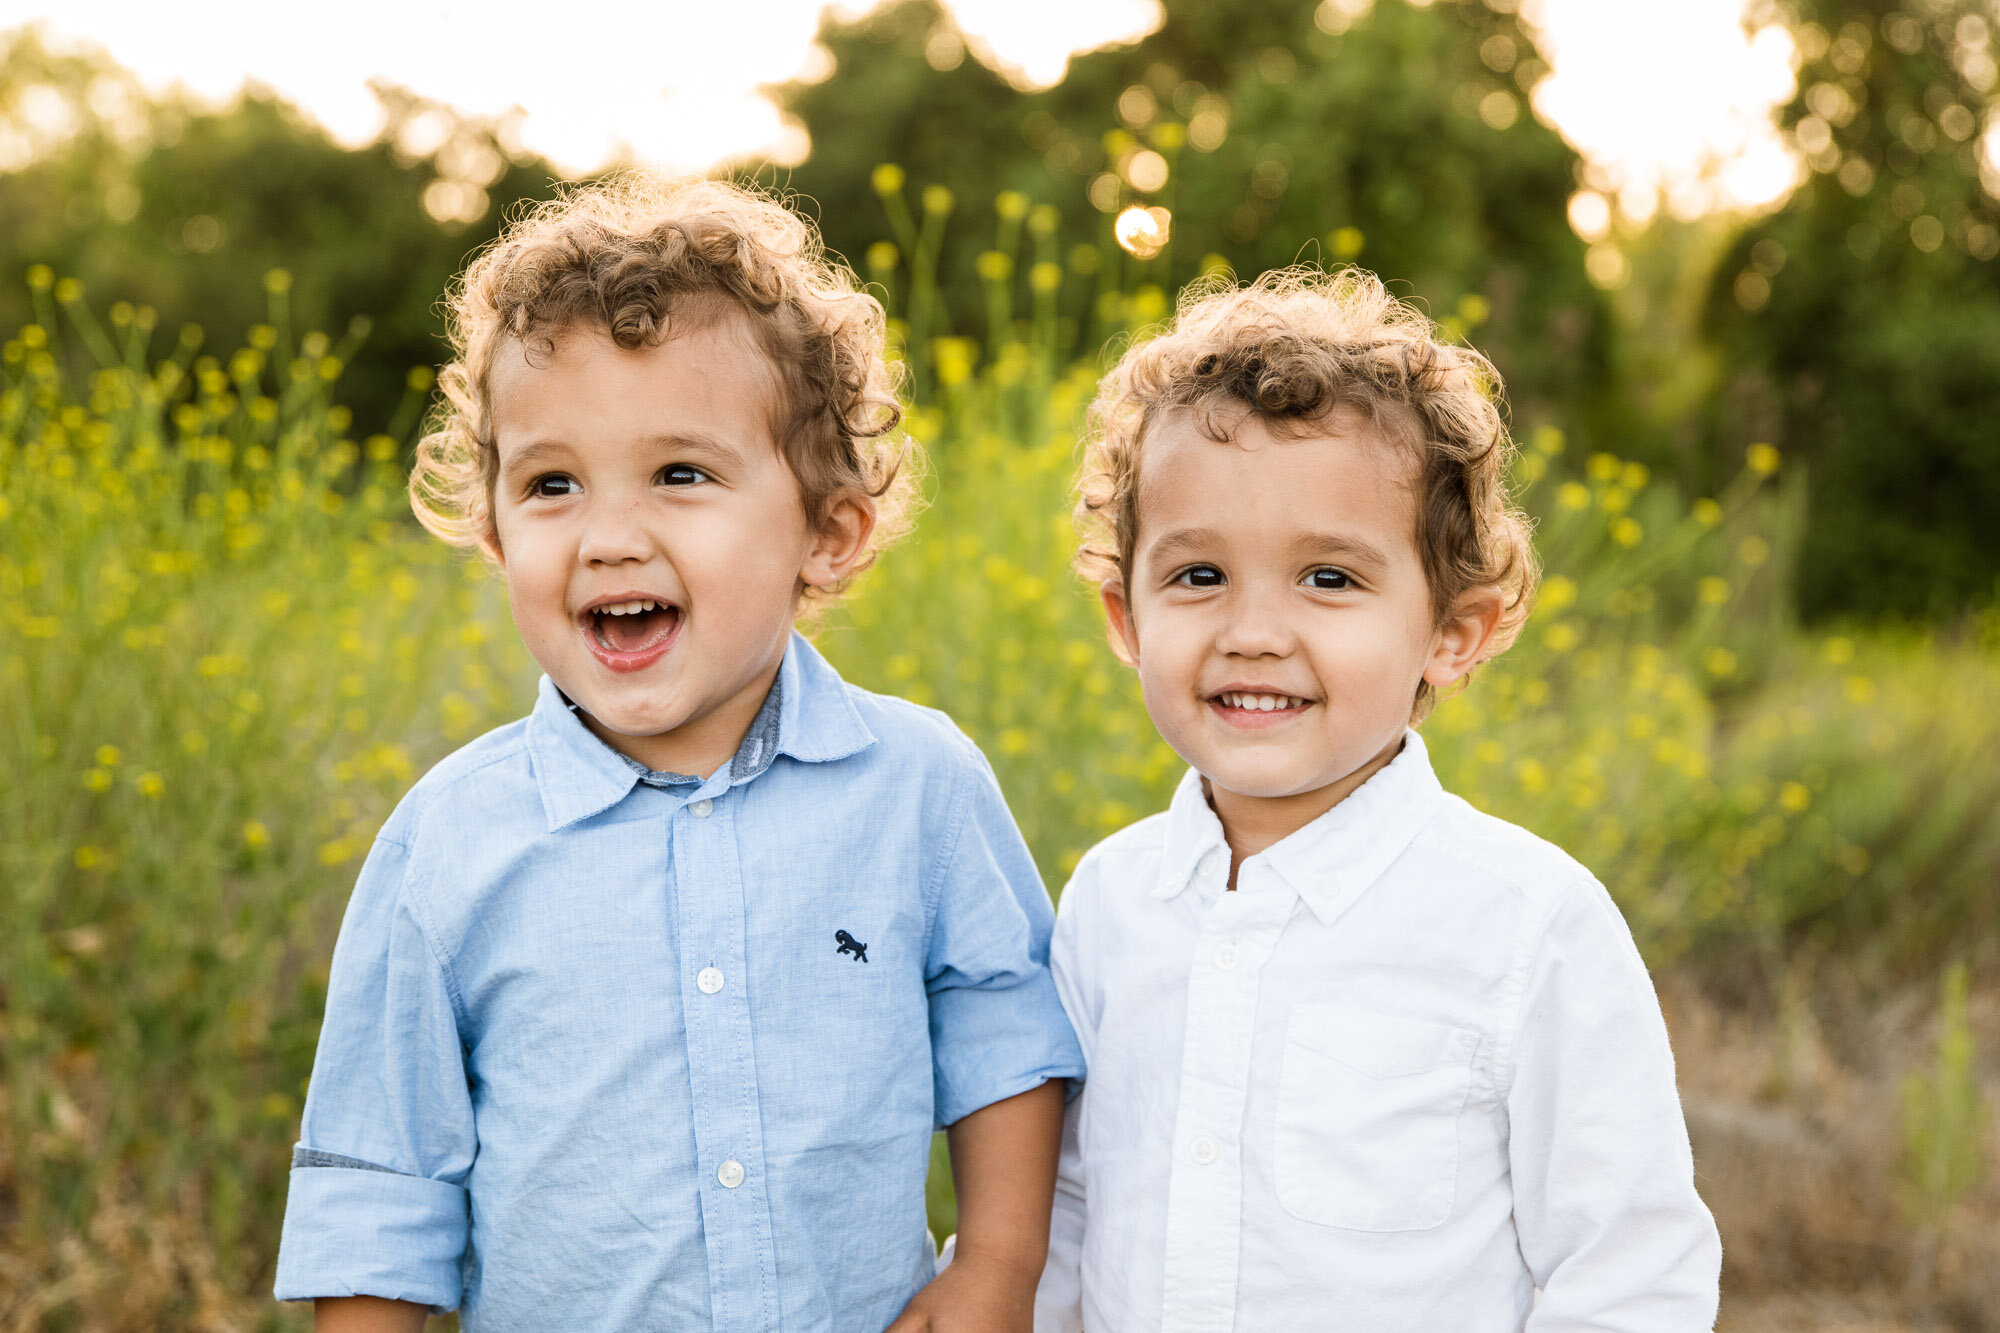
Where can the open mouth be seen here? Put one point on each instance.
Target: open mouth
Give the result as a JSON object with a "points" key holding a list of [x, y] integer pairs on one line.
{"points": [[634, 632]]}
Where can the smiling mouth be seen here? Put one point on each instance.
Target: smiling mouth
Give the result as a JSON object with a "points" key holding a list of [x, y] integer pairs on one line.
{"points": [[1243, 701], [629, 631]]}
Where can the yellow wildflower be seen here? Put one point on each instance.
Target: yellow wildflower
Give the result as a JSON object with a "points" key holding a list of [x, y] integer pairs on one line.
{"points": [[336, 851]]}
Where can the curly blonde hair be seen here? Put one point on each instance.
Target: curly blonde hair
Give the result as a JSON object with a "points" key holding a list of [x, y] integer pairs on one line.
{"points": [[1293, 349], [640, 257]]}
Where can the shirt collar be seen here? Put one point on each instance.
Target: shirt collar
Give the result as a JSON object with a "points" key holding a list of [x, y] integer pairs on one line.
{"points": [[1193, 832], [578, 775], [1329, 862]]}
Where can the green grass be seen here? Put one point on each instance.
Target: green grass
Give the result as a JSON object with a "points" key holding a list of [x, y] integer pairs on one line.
{"points": [[225, 652]]}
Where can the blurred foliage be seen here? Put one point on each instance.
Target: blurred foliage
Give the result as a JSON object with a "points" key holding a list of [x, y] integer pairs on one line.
{"points": [[161, 203], [223, 657], [1396, 137], [1862, 321], [1857, 325], [1945, 1114]]}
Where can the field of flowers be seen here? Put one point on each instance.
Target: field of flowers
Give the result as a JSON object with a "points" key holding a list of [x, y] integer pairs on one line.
{"points": [[225, 651]]}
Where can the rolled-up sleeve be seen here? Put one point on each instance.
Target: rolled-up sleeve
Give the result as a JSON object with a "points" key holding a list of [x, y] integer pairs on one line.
{"points": [[378, 1201], [997, 1028]]}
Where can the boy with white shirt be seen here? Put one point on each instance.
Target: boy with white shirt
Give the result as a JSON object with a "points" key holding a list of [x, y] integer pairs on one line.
{"points": [[1360, 1057]]}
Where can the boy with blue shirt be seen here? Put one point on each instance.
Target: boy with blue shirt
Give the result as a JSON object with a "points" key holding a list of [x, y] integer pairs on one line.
{"points": [[645, 1007]]}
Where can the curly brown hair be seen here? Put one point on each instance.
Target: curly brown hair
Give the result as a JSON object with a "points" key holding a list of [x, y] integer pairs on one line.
{"points": [[1292, 349], [637, 256]]}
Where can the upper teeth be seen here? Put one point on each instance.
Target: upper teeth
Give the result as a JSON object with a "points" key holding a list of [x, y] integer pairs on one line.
{"points": [[626, 608], [1262, 703]]}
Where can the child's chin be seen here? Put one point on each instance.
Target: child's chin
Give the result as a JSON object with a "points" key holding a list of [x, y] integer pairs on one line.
{"points": [[633, 722], [625, 717], [1260, 781]]}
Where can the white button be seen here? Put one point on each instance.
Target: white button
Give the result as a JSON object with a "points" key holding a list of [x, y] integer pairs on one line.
{"points": [[702, 807], [1202, 1150], [730, 1173], [1211, 862], [709, 980], [1227, 956]]}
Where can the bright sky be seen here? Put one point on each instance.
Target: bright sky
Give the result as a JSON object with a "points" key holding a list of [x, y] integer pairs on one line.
{"points": [[1667, 98]]}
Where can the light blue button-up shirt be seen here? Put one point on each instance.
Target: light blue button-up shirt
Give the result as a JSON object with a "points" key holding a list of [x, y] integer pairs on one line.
{"points": [[608, 1049]]}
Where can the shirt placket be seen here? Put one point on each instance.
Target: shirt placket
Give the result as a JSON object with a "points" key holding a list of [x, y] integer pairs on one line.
{"points": [[722, 1065], [1205, 1183]]}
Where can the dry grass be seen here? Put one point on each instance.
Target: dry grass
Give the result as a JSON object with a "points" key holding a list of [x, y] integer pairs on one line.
{"points": [[1795, 1121]]}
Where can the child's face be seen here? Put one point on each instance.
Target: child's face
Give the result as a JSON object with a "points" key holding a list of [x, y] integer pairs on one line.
{"points": [[652, 535], [1274, 570]]}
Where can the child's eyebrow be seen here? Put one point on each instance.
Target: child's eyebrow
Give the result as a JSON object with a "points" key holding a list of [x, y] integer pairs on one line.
{"points": [[1185, 541], [1331, 543], [533, 455], [694, 442]]}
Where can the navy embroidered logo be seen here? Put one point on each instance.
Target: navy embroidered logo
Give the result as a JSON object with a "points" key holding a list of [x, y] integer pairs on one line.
{"points": [[848, 944]]}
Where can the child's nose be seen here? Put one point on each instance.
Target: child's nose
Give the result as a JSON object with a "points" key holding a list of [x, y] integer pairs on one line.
{"points": [[614, 534], [1256, 625]]}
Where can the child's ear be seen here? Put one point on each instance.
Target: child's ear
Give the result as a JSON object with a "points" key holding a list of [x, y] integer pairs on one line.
{"points": [[1119, 629], [841, 541], [1463, 639]]}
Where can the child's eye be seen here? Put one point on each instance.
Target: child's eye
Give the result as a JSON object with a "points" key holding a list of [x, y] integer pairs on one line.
{"points": [[553, 484], [680, 474], [1328, 579], [1199, 576]]}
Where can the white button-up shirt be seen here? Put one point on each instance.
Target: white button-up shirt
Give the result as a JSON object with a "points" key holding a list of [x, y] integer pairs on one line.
{"points": [[1409, 1072]]}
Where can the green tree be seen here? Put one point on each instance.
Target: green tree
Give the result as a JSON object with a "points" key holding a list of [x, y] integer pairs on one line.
{"points": [[1862, 321], [160, 203], [1395, 136]]}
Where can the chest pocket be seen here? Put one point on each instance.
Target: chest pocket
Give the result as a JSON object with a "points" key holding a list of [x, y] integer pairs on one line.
{"points": [[1367, 1118]]}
